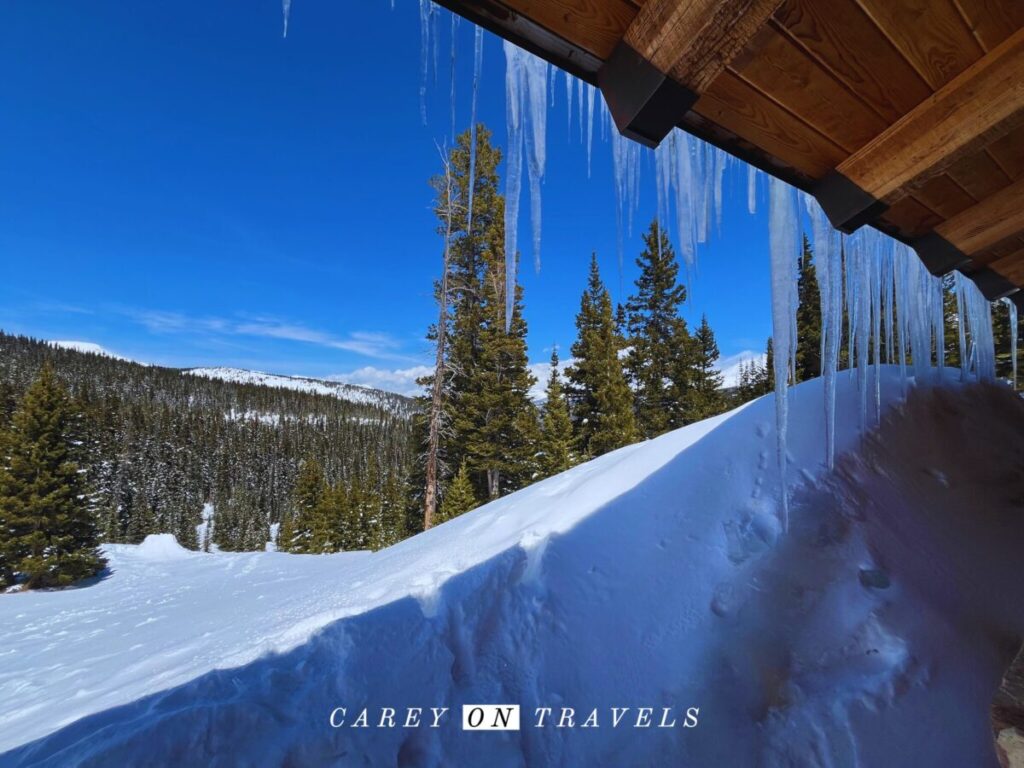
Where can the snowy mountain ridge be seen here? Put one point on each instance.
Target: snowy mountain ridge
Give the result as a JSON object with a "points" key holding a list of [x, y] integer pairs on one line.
{"points": [[350, 392]]}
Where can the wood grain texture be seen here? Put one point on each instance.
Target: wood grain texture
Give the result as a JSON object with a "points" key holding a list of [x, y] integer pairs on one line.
{"points": [[1011, 267], [930, 34], [594, 25], [992, 21], [979, 175], [983, 103], [844, 40], [943, 195], [983, 225], [1009, 153], [911, 218], [749, 114], [781, 69], [694, 41]]}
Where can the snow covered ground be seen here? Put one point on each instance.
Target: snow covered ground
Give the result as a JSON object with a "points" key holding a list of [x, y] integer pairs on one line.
{"points": [[873, 633]]}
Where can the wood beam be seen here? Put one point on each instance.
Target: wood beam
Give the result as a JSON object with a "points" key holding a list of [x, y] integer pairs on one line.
{"points": [[983, 225], [670, 54], [981, 104], [953, 242]]}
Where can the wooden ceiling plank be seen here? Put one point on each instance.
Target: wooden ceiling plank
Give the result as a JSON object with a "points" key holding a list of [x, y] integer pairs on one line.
{"points": [[987, 223], [1009, 153], [845, 41], [983, 103], [747, 113], [943, 195], [929, 33], [979, 175], [911, 218], [594, 25], [992, 21], [695, 41], [783, 71], [669, 55]]}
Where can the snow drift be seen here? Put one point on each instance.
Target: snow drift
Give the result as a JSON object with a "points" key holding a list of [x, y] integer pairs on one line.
{"points": [[873, 633]]}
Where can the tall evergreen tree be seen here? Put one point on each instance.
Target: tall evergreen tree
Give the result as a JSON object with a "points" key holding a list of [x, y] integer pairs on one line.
{"points": [[305, 529], [47, 525], [705, 392], [556, 441], [601, 402], [459, 498], [491, 421], [808, 319], [658, 361]]}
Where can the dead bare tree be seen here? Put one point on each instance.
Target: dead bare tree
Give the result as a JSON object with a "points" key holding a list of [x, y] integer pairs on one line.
{"points": [[447, 206]]}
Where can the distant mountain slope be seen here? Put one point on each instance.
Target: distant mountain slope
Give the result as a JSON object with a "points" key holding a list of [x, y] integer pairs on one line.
{"points": [[350, 392], [159, 443]]}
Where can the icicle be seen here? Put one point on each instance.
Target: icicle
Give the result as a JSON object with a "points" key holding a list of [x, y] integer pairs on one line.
{"points": [[828, 265], [514, 174], [591, 93], [975, 316], [525, 91], [961, 323], [536, 79], [568, 102], [579, 98], [783, 227], [625, 166], [286, 10], [434, 37], [424, 55], [751, 189], [478, 58], [876, 328], [1011, 308], [455, 26]]}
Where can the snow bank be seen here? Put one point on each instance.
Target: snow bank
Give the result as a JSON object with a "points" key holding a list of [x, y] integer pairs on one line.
{"points": [[874, 633], [159, 547]]}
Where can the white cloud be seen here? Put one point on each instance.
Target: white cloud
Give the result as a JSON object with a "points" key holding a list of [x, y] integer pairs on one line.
{"points": [[372, 344], [401, 381], [730, 365]]}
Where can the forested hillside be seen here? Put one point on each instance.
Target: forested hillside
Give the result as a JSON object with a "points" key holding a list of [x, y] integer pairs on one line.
{"points": [[157, 444]]}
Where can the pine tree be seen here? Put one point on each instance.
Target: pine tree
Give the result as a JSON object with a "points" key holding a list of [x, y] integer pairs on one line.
{"points": [[459, 498], [493, 423], [658, 361], [47, 527], [706, 396], [601, 402], [306, 511], [808, 319], [556, 441]]}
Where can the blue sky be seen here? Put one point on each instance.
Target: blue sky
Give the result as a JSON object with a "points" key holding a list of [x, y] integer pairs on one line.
{"points": [[184, 187]]}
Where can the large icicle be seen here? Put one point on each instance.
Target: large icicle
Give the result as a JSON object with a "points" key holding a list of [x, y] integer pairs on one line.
{"points": [[478, 57], [455, 28], [829, 268], [425, 12], [591, 94], [1011, 308], [975, 316], [784, 249], [568, 101], [525, 107], [286, 11]]}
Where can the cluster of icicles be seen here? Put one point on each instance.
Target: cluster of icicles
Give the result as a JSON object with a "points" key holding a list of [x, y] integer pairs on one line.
{"points": [[891, 301]]}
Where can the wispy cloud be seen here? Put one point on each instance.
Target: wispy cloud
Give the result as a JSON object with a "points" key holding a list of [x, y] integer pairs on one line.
{"points": [[371, 344], [400, 380]]}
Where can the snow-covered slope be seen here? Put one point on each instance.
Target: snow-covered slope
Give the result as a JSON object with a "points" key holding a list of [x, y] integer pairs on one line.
{"points": [[89, 347], [350, 392], [872, 634]]}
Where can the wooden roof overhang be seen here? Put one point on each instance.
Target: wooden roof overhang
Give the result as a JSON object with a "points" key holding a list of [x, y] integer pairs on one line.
{"points": [[907, 115]]}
